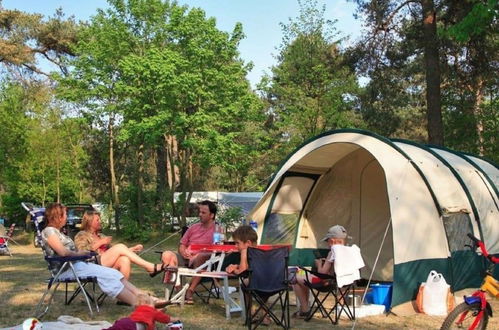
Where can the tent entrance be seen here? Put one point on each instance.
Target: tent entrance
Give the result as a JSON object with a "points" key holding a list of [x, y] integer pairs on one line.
{"points": [[286, 207]]}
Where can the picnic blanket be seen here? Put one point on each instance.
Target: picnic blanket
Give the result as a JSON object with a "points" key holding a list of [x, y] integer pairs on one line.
{"points": [[68, 322]]}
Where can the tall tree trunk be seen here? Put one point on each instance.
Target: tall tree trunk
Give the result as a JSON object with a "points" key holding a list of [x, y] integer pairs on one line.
{"points": [[44, 189], [115, 200], [432, 66], [172, 172], [58, 178], [478, 59], [140, 184], [185, 182], [161, 177]]}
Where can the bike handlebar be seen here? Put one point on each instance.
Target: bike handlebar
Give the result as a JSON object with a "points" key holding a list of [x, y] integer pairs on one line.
{"points": [[481, 245]]}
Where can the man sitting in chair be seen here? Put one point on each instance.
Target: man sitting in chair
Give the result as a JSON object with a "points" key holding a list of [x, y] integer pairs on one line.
{"points": [[335, 235], [199, 233]]}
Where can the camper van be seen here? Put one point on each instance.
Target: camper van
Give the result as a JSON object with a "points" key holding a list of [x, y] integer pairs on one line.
{"points": [[224, 200]]}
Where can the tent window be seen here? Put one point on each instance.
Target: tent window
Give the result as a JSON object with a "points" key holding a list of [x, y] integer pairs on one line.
{"points": [[280, 228], [282, 221], [457, 225]]}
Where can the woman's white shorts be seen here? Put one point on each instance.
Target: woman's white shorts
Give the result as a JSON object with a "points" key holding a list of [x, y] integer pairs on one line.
{"points": [[108, 279]]}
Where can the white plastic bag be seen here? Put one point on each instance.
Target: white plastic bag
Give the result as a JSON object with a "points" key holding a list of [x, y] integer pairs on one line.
{"points": [[435, 293]]}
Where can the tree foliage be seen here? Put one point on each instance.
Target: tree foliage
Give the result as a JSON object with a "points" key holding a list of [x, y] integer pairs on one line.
{"points": [[312, 88], [394, 58], [28, 39], [174, 81]]}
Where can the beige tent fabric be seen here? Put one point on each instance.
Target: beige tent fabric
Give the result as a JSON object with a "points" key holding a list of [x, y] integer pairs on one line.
{"points": [[483, 196], [353, 194], [367, 185], [292, 195]]}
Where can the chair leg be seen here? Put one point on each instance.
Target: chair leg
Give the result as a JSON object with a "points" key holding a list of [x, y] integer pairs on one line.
{"points": [[318, 305], [345, 307], [38, 313], [249, 313], [282, 300], [83, 291]]}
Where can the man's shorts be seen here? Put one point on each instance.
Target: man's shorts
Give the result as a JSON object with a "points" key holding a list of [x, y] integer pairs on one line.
{"points": [[182, 262]]}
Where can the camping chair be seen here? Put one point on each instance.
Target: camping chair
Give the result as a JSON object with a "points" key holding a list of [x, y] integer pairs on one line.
{"points": [[267, 276], [339, 286], [4, 240], [56, 266], [210, 287]]}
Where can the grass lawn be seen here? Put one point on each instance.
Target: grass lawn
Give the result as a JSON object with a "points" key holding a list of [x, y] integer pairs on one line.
{"points": [[22, 283]]}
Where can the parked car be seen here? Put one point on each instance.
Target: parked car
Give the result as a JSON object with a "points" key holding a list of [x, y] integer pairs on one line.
{"points": [[75, 214]]}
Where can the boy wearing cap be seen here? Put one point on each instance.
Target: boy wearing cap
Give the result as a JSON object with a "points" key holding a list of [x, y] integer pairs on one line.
{"points": [[335, 235]]}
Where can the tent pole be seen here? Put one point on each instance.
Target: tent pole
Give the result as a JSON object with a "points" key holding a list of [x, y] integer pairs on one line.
{"points": [[374, 267]]}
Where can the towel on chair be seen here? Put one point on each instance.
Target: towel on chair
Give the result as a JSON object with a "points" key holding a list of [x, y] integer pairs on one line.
{"points": [[347, 262]]}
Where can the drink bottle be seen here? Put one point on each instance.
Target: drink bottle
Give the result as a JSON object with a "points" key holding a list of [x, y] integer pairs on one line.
{"points": [[254, 225], [216, 234], [222, 234]]}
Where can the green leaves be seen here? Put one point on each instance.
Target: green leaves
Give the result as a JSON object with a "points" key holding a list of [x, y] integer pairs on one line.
{"points": [[311, 88]]}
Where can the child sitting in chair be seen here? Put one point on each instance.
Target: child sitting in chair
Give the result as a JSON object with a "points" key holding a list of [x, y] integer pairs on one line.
{"points": [[244, 236], [143, 317], [335, 235]]}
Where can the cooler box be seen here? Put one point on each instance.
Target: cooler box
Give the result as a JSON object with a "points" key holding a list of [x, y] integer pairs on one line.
{"points": [[366, 310], [382, 294]]}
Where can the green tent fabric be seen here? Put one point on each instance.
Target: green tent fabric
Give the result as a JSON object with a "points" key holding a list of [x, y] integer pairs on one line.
{"points": [[405, 204]]}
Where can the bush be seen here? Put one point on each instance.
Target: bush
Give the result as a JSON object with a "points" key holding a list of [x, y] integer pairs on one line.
{"points": [[131, 230], [230, 218]]}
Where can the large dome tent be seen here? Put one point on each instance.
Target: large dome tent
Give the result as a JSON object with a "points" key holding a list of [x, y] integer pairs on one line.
{"points": [[406, 205]]}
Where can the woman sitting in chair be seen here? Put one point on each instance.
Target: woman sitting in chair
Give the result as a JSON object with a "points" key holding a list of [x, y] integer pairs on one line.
{"points": [[118, 256], [111, 281], [335, 235]]}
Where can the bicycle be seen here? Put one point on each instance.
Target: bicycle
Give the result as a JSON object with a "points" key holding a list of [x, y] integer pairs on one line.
{"points": [[475, 310]]}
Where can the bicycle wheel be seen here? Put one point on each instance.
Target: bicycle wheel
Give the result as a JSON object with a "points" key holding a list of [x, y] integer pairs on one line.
{"points": [[471, 311]]}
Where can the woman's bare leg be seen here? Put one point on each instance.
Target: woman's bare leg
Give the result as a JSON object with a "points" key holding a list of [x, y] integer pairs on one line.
{"points": [[127, 297], [132, 288], [130, 292], [110, 257], [124, 266], [169, 258]]}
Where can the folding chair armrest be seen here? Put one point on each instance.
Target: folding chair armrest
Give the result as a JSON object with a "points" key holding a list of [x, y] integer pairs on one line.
{"points": [[244, 274], [316, 274], [72, 258]]}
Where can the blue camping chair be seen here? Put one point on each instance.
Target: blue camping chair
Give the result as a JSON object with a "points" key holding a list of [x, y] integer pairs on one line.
{"points": [[267, 276], [56, 266]]}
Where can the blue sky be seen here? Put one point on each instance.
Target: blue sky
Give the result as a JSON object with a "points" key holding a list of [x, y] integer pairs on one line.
{"points": [[260, 19]]}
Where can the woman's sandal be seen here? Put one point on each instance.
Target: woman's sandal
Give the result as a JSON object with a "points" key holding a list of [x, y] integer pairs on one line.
{"points": [[157, 270], [188, 297], [300, 315], [161, 303], [266, 320]]}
